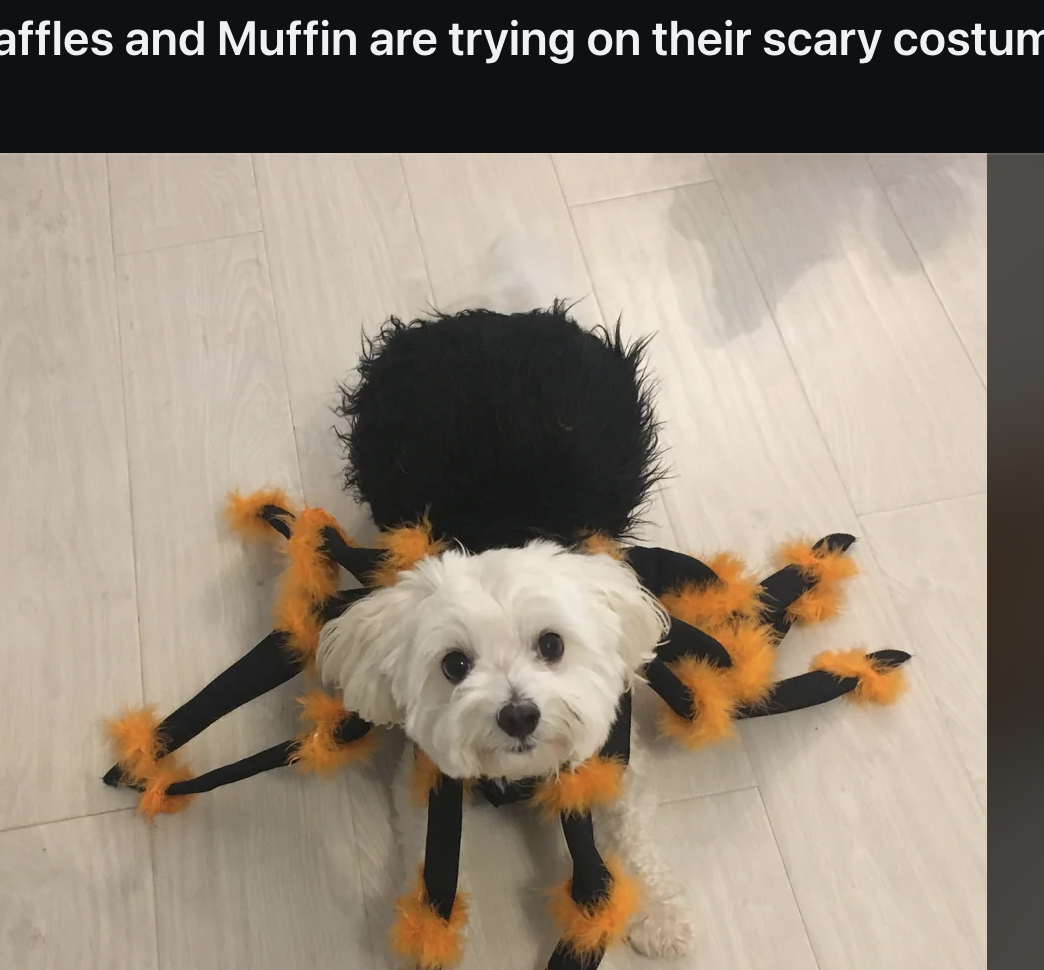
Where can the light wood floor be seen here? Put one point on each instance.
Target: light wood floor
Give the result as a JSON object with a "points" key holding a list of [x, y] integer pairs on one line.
{"points": [[173, 325]]}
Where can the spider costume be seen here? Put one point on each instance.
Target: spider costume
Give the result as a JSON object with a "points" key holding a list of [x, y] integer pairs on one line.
{"points": [[488, 431]]}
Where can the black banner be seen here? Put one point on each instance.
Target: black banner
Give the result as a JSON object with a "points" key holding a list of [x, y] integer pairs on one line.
{"points": [[678, 71]]}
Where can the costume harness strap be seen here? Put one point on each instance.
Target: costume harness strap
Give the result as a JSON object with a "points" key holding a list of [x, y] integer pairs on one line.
{"points": [[713, 669]]}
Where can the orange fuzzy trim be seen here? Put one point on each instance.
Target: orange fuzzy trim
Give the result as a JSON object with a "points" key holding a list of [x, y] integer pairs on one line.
{"points": [[135, 741], [243, 512], [752, 647], [597, 781], [828, 568], [321, 709], [821, 602], [309, 580], [154, 800], [319, 753], [599, 543], [311, 568], [740, 593], [425, 777], [138, 748], [422, 936], [591, 930], [713, 700], [878, 684], [403, 549], [295, 615], [824, 565], [708, 604], [317, 749]]}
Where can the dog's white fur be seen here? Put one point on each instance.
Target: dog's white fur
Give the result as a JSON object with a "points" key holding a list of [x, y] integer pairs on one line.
{"points": [[385, 654]]}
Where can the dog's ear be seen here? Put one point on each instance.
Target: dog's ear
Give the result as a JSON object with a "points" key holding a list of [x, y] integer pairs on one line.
{"points": [[643, 620], [359, 650]]}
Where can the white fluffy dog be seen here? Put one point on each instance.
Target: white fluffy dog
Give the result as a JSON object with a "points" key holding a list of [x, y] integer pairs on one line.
{"points": [[509, 664]]}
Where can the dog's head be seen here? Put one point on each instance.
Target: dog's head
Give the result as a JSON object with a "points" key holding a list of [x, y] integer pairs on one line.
{"points": [[505, 664]]}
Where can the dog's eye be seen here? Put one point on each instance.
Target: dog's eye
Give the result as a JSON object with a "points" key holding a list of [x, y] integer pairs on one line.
{"points": [[455, 666], [550, 646]]}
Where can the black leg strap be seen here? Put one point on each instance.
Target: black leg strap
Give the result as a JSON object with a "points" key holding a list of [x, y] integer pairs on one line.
{"points": [[350, 729], [442, 845], [566, 958], [677, 696], [796, 693], [661, 570], [684, 640], [599, 902], [815, 687], [591, 880], [275, 757], [265, 667], [339, 602], [778, 592], [783, 588], [278, 518], [591, 885], [428, 931], [358, 561]]}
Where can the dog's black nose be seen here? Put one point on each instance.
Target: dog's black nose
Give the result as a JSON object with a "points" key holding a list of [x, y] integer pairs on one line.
{"points": [[518, 719]]}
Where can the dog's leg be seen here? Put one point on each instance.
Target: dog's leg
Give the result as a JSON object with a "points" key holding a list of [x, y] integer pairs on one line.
{"points": [[662, 926]]}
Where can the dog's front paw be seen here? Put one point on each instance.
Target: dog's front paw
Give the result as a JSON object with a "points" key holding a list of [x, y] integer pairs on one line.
{"points": [[663, 930]]}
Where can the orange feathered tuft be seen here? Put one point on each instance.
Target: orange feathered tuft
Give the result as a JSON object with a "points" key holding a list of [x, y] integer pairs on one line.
{"points": [[310, 567], [317, 749], [687, 604], [878, 684], [752, 647], [712, 699], [740, 593], [295, 615], [425, 777], [821, 602], [310, 578], [135, 741], [422, 936], [598, 781], [590, 930], [155, 800], [598, 543], [707, 605], [403, 549], [138, 747], [827, 567], [320, 709], [243, 512], [319, 753]]}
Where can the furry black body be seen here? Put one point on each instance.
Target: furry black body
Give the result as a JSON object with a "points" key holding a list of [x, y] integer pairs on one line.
{"points": [[500, 428]]}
